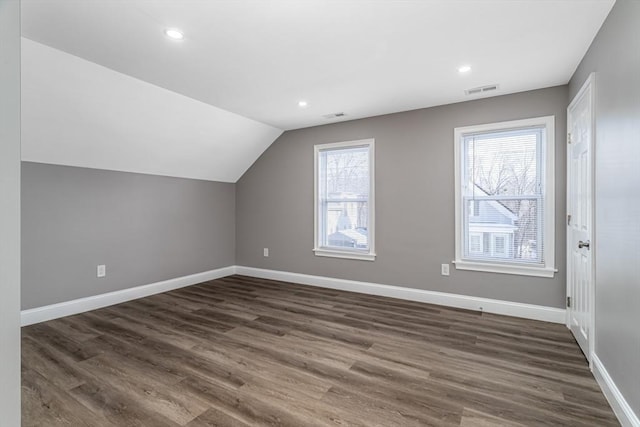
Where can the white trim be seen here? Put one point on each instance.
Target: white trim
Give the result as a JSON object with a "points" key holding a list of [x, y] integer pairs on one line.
{"points": [[548, 151], [364, 256], [370, 255], [494, 267], [68, 308], [618, 403], [516, 309]]}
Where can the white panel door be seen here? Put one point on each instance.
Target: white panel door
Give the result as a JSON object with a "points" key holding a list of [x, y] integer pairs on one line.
{"points": [[580, 278]]}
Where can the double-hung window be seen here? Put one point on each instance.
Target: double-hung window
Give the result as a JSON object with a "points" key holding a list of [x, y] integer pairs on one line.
{"points": [[344, 202], [504, 201]]}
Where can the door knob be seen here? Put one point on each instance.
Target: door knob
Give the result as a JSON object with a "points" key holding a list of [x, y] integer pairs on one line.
{"points": [[582, 244]]}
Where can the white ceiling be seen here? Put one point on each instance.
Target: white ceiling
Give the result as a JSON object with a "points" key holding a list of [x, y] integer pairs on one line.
{"points": [[258, 58]]}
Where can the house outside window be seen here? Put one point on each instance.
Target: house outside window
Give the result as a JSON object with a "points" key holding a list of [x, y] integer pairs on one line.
{"points": [[475, 243], [504, 201], [344, 200]]}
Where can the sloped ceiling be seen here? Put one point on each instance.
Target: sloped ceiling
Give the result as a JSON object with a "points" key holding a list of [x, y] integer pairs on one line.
{"points": [[78, 113], [207, 106]]}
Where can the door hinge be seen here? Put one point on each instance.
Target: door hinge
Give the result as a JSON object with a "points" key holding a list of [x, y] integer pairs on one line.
{"points": [[568, 137], [569, 302], [569, 219]]}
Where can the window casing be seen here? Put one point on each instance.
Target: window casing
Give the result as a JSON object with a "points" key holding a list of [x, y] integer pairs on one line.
{"points": [[344, 200], [504, 197]]}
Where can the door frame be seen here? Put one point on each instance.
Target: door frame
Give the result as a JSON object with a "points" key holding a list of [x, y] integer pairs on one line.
{"points": [[588, 85]]}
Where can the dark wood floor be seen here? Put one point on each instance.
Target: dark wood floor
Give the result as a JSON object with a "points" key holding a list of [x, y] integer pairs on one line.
{"points": [[242, 351]]}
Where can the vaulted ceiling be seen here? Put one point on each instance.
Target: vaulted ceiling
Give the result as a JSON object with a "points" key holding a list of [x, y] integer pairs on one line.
{"points": [[104, 87]]}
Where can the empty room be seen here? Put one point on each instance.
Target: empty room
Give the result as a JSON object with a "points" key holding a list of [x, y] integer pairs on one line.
{"points": [[319, 213]]}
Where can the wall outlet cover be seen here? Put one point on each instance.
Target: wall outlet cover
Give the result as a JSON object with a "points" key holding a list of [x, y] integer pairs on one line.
{"points": [[102, 270], [445, 269]]}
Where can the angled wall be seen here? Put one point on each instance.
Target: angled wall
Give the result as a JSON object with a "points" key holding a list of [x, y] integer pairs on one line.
{"points": [[78, 113], [414, 200]]}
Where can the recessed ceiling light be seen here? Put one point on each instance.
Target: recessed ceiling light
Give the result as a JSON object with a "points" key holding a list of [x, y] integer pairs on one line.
{"points": [[464, 69], [174, 34], [302, 104]]}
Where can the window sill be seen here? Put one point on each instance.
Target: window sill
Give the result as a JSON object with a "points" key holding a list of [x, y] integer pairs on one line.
{"points": [[362, 256], [521, 270]]}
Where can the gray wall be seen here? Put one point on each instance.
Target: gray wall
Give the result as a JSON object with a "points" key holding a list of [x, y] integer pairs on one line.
{"points": [[9, 213], [615, 57], [414, 200], [144, 228]]}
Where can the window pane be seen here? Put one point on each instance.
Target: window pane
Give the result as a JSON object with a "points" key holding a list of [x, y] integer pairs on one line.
{"points": [[503, 163], [346, 225], [501, 191], [347, 172], [344, 180], [510, 230], [475, 243]]}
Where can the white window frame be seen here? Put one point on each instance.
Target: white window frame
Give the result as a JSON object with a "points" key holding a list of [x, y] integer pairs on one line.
{"points": [[547, 269], [348, 253]]}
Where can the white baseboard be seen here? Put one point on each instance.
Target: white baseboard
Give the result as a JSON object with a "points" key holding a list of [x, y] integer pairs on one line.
{"points": [[68, 308], [527, 311], [618, 403]]}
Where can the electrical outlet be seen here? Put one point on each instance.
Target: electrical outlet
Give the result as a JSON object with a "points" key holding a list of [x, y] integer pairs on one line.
{"points": [[445, 269], [265, 252], [102, 270]]}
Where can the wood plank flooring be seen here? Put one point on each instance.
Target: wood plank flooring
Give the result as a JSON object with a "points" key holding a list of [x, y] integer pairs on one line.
{"points": [[241, 351]]}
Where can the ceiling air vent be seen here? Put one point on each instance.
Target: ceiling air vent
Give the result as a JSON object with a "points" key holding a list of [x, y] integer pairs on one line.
{"points": [[481, 89], [334, 115]]}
